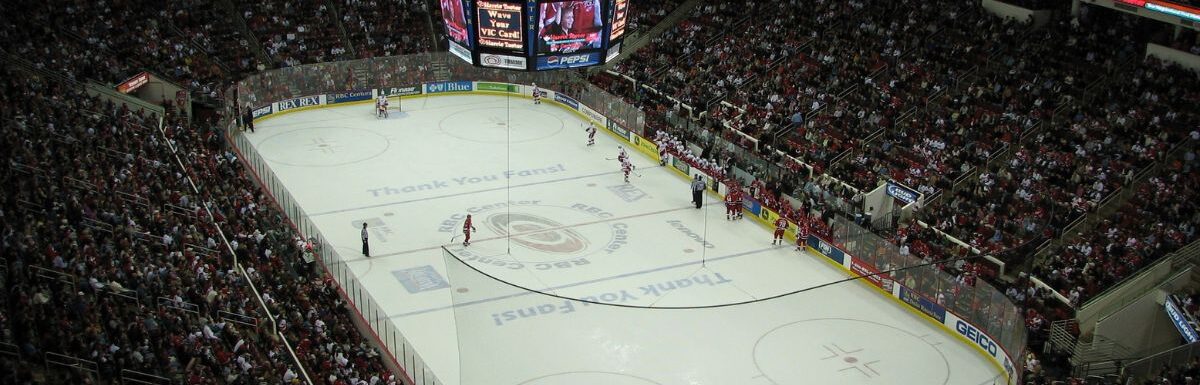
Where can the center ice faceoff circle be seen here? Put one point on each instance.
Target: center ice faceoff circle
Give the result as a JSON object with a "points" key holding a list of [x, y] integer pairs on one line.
{"points": [[539, 236], [848, 351], [501, 125]]}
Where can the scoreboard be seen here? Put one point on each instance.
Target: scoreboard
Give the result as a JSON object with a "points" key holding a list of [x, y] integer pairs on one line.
{"points": [[535, 35]]}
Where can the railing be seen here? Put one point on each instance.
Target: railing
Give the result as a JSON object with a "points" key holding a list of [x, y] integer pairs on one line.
{"points": [[138, 378], [86, 368], [1145, 368], [978, 303], [368, 309]]}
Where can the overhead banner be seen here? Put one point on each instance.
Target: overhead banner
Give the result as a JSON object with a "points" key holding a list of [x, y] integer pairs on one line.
{"points": [[503, 61], [568, 61]]}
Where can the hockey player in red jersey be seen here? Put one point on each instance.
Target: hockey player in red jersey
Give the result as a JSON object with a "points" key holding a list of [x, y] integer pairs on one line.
{"points": [[801, 234], [591, 131], [622, 156], [780, 226], [733, 204], [467, 229], [626, 167]]}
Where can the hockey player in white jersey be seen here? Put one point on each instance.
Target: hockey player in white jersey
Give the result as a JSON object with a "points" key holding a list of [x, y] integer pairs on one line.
{"points": [[381, 106]]}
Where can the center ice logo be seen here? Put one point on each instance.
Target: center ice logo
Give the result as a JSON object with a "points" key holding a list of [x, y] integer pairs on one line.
{"points": [[538, 233]]}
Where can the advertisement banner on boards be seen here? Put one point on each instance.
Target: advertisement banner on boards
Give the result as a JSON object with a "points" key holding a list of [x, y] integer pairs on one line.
{"points": [[343, 97], [564, 99], [400, 91], [919, 302], [979, 338], [752, 206], [593, 115], [499, 87], [291, 104], [439, 87], [682, 166], [622, 132], [867, 271], [261, 111], [827, 249]]}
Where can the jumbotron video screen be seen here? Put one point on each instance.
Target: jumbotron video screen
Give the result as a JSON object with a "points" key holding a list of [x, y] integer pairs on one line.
{"points": [[535, 35]]}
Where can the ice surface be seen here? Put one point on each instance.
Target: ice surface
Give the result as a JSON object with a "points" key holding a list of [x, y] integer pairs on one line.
{"points": [[555, 215]]}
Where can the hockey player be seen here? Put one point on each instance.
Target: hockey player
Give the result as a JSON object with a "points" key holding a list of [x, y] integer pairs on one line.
{"points": [[801, 234], [626, 167], [467, 229], [733, 205], [780, 226], [381, 106], [591, 131], [622, 156], [537, 94]]}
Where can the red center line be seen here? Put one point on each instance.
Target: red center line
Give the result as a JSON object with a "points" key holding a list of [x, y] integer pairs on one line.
{"points": [[602, 220]]}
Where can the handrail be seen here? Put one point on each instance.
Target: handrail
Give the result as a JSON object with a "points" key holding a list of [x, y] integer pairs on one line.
{"points": [[229, 248], [1178, 256]]}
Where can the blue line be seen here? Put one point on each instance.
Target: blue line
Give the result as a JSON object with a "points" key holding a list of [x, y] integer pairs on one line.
{"points": [[744, 253], [465, 193]]}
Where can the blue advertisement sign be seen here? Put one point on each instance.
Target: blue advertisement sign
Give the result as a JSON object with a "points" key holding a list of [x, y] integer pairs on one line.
{"points": [[352, 96], [919, 302], [459, 86], [568, 61], [904, 194], [827, 249], [261, 112], [564, 99], [752, 206], [616, 128], [1181, 323]]}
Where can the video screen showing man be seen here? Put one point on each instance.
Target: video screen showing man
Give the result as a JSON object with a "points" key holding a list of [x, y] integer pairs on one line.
{"points": [[569, 26], [456, 20]]}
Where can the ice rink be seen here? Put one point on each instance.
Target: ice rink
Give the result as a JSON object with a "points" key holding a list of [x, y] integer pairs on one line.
{"points": [[555, 215]]}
